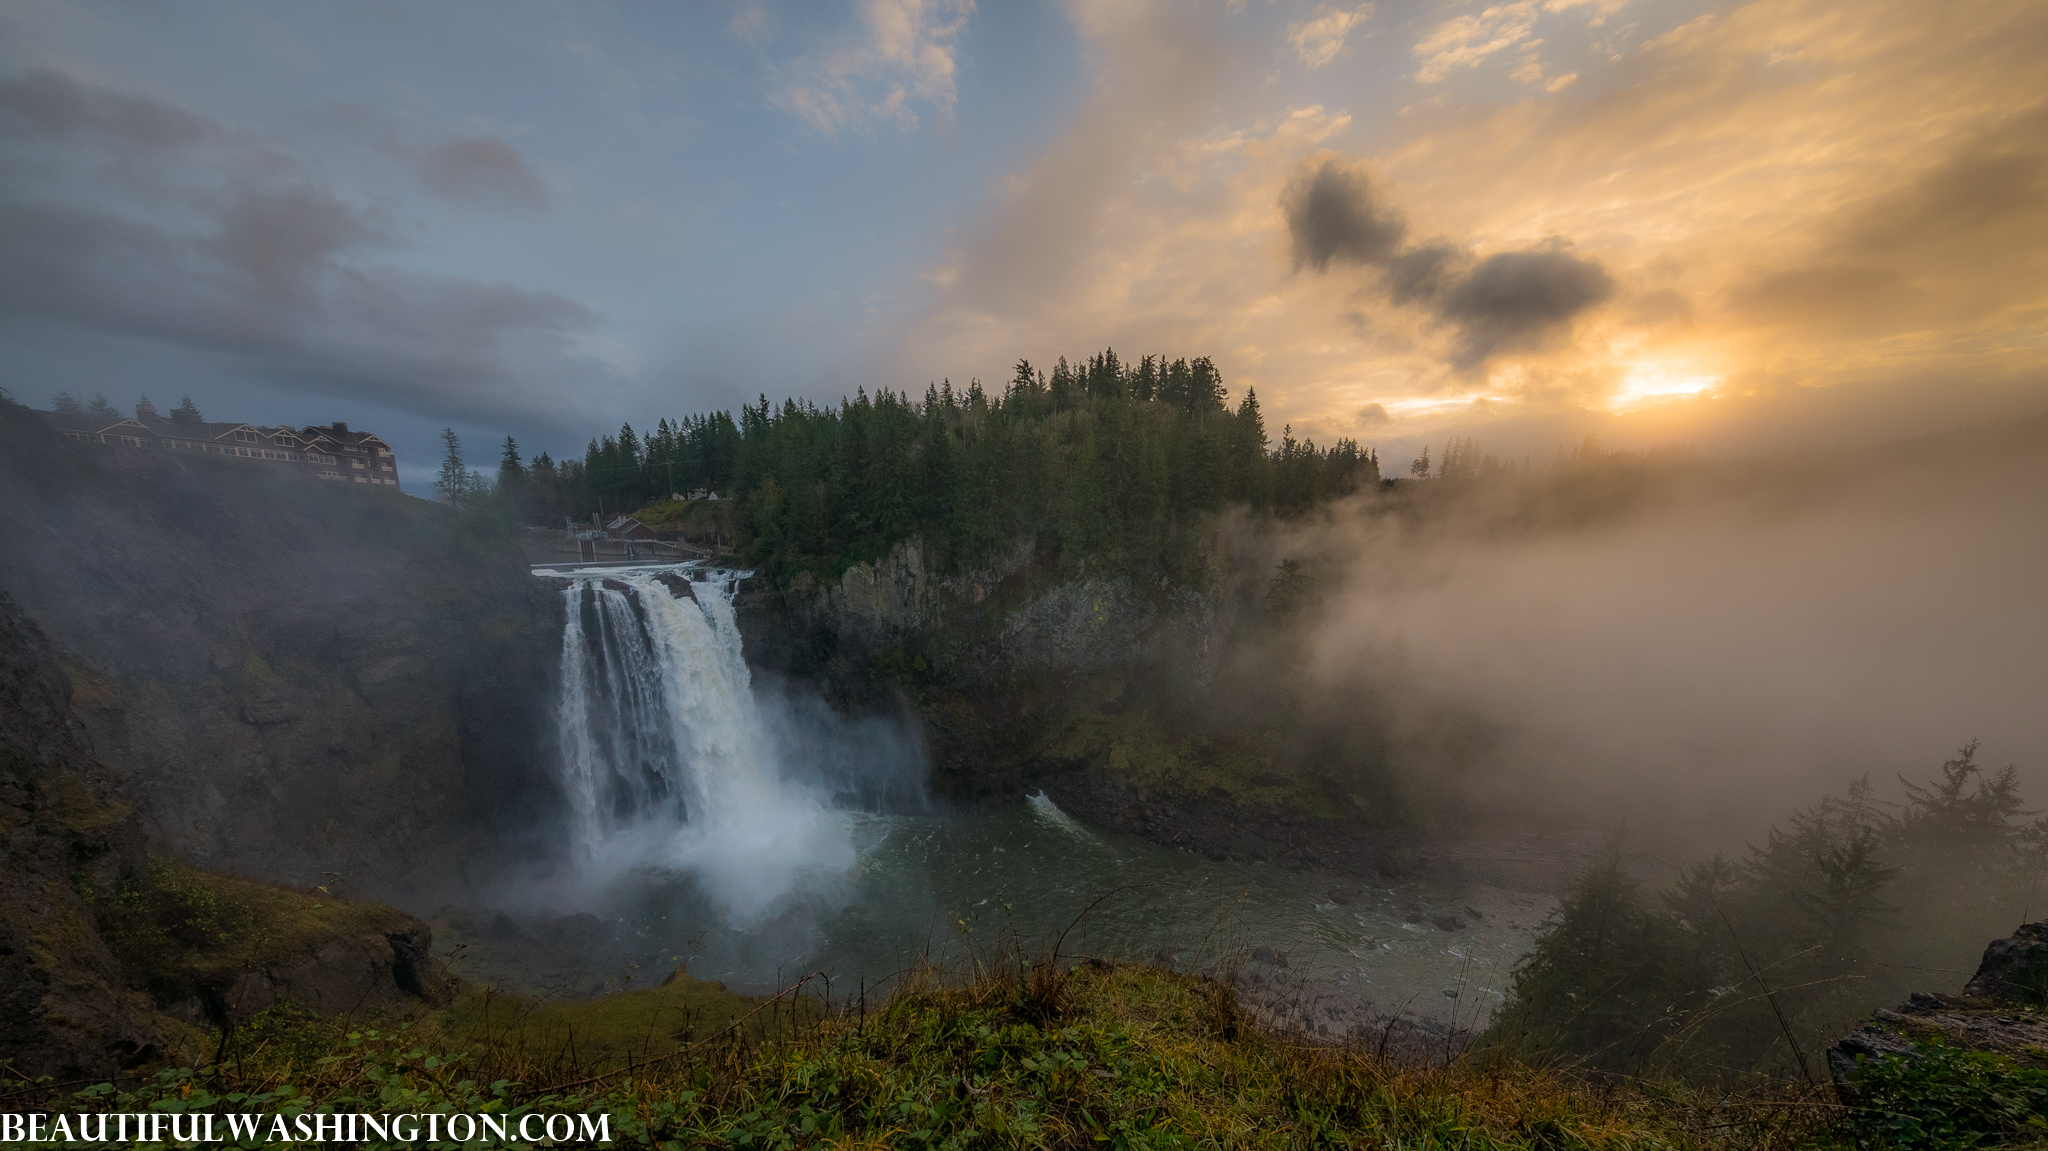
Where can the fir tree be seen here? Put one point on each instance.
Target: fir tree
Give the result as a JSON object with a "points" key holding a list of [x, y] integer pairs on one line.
{"points": [[455, 483]]}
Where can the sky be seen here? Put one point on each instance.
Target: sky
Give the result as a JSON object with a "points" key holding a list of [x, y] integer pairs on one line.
{"points": [[1739, 226]]}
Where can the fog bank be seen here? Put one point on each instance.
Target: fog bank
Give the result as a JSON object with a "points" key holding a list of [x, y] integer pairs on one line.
{"points": [[1694, 648]]}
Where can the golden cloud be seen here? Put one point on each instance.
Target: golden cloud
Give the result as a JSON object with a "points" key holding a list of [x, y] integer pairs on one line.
{"points": [[1801, 191]]}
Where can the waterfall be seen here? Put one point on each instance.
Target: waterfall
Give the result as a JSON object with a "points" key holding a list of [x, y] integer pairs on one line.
{"points": [[665, 758]]}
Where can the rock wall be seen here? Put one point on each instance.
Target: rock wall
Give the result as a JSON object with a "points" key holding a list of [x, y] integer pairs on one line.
{"points": [[299, 682], [63, 1009]]}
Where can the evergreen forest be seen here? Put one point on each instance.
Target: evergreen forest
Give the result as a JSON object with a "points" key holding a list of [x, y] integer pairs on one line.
{"points": [[1106, 465]]}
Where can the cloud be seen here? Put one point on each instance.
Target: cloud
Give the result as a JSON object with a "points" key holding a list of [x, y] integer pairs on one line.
{"points": [[905, 53], [1332, 216], [479, 170], [1467, 40], [483, 171], [196, 237], [1319, 40], [1714, 181], [1507, 302], [50, 103], [281, 238], [1159, 66], [1520, 301]]}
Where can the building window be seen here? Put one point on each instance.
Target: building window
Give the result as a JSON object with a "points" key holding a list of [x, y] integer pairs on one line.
{"points": [[388, 467], [246, 437], [356, 464]]}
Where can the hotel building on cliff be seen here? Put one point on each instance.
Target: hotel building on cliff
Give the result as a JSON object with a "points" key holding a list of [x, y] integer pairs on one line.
{"points": [[326, 452]]}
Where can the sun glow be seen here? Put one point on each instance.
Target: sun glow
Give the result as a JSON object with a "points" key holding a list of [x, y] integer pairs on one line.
{"points": [[1648, 383]]}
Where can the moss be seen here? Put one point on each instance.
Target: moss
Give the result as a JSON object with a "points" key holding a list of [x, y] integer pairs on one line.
{"points": [[180, 929], [90, 689], [77, 809]]}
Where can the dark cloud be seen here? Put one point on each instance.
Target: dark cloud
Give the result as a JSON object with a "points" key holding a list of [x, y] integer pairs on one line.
{"points": [[282, 238], [482, 171], [1518, 301], [221, 246], [51, 103], [1507, 302], [1332, 215], [1420, 274], [1374, 416]]}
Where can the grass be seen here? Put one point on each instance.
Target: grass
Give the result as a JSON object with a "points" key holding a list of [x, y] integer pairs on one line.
{"points": [[1098, 1056], [1028, 1056]]}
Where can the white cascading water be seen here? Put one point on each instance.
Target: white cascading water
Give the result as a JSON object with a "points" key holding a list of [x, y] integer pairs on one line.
{"points": [[665, 760]]}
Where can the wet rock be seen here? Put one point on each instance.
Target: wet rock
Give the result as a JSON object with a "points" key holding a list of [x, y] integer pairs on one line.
{"points": [[1447, 923], [1269, 957], [2014, 969], [678, 585], [1999, 1011]]}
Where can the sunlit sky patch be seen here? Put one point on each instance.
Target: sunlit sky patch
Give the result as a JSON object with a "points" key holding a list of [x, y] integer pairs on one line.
{"points": [[544, 220]]}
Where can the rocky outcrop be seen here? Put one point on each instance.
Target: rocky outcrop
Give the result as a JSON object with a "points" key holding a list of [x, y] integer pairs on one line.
{"points": [[2015, 969], [381, 973], [2000, 1010]]}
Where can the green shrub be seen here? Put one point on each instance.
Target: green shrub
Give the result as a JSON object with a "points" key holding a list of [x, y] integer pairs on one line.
{"points": [[1948, 1099]]}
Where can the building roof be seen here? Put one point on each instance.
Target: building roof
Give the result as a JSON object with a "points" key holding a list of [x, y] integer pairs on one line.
{"points": [[337, 433], [147, 422]]}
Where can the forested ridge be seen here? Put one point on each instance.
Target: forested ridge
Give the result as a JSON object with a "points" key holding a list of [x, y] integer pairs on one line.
{"points": [[1105, 464]]}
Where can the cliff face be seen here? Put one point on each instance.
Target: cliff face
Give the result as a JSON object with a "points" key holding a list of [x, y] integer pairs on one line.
{"points": [[63, 1010], [109, 958], [306, 683], [1157, 711]]}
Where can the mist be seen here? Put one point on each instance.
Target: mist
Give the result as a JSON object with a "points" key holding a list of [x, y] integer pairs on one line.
{"points": [[1693, 648], [676, 765]]}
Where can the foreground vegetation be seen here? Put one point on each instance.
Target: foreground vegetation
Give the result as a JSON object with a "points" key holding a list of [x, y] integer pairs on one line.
{"points": [[1100, 1056], [1753, 967], [1028, 1055]]}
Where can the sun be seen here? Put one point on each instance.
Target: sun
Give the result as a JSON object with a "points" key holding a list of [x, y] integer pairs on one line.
{"points": [[1650, 382]]}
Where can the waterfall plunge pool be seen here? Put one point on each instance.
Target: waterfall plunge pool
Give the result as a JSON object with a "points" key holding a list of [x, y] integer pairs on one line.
{"points": [[721, 825]]}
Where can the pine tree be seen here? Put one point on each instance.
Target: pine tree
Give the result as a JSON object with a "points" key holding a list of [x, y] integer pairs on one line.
{"points": [[63, 404], [186, 411], [454, 484], [100, 409]]}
